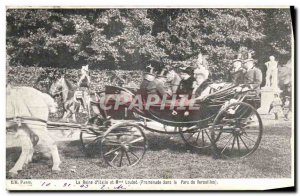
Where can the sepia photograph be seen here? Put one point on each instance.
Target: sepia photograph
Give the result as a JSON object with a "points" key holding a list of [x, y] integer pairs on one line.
{"points": [[158, 98]]}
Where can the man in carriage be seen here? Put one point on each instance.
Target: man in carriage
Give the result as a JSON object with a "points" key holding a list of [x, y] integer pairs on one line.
{"points": [[253, 75]]}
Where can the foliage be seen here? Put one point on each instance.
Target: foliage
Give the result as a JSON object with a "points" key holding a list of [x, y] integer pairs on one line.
{"points": [[133, 38], [39, 77]]}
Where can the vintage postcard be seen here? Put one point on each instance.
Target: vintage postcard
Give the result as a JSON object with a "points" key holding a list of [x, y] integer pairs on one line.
{"points": [[123, 99]]}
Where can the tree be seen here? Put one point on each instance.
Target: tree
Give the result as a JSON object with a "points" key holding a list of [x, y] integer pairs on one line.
{"points": [[133, 38]]}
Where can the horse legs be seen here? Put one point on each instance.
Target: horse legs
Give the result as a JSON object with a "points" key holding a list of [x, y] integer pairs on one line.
{"points": [[29, 156], [66, 115], [48, 143], [27, 150]]}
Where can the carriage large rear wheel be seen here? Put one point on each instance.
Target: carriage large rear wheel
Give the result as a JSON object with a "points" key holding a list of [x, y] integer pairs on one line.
{"points": [[123, 144], [196, 137], [241, 131]]}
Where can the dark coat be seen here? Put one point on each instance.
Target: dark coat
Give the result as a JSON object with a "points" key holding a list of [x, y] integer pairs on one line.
{"points": [[186, 87], [238, 77], [253, 77]]}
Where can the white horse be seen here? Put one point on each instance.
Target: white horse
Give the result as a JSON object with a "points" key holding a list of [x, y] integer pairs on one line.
{"points": [[32, 108]]}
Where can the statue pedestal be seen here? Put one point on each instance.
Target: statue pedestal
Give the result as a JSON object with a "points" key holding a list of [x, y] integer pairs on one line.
{"points": [[267, 96]]}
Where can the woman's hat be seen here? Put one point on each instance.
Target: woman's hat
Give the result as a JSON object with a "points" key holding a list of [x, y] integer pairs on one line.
{"points": [[248, 60], [235, 60]]}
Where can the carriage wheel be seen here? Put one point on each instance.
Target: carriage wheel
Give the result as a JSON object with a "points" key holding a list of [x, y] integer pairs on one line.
{"points": [[123, 144], [91, 138], [199, 138], [241, 130]]}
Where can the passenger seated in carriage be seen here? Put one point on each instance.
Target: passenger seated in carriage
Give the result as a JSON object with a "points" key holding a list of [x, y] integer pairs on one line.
{"points": [[185, 88], [253, 75], [201, 86], [152, 85], [173, 79]]}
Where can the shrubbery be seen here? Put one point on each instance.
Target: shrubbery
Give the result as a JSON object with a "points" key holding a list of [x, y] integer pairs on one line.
{"points": [[32, 76]]}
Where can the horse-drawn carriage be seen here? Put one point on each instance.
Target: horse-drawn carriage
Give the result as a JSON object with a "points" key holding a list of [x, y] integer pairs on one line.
{"points": [[226, 122]]}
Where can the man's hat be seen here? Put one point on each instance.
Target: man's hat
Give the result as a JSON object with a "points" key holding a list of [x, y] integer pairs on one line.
{"points": [[187, 70]]}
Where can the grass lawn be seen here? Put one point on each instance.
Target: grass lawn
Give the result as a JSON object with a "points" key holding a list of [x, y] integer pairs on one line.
{"points": [[170, 158]]}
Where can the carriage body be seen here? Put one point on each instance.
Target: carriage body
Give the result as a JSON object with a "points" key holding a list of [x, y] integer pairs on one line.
{"points": [[202, 113], [229, 112]]}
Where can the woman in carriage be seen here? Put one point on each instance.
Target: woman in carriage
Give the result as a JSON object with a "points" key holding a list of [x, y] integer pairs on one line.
{"points": [[185, 87]]}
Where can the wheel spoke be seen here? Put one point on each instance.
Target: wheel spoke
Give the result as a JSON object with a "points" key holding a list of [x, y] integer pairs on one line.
{"points": [[202, 135], [136, 140], [208, 136], [251, 132], [243, 142], [226, 144], [111, 151], [249, 138], [238, 143], [114, 157], [191, 136], [128, 158], [233, 143], [139, 147], [122, 154], [134, 155], [112, 144]]}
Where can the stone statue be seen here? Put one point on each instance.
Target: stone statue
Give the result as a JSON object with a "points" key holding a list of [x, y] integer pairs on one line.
{"points": [[272, 73]]}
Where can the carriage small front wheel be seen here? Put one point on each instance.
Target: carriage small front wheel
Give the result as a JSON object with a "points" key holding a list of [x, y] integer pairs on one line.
{"points": [[90, 138], [241, 131], [123, 144]]}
